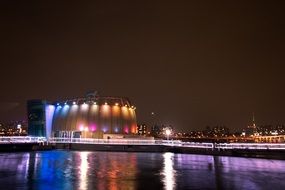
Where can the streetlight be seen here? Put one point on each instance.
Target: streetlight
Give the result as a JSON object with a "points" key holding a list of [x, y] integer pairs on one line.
{"points": [[167, 132], [19, 126]]}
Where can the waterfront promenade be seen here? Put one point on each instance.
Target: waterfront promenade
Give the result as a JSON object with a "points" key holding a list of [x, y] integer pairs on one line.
{"points": [[260, 150], [169, 143]]}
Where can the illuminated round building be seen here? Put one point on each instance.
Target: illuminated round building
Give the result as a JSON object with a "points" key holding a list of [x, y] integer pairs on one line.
{"points": [[88, 117]]}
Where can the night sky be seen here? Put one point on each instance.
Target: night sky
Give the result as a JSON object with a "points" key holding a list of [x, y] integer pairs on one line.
{"points": [[192, 63]]}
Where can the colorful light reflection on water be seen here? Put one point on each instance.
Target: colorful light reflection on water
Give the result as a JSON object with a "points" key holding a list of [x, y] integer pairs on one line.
{"points": [[114, 170]]}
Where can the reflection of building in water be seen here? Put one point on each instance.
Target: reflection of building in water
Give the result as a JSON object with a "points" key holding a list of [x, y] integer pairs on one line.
{"points": [[92, 116], [102, 171], [83, 184]]}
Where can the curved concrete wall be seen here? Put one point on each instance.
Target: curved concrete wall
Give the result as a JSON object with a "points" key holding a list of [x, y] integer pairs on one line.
{"points": [[109, 119]]}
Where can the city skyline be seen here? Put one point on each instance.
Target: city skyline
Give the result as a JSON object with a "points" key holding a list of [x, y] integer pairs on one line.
{"points": [[192, 64]]}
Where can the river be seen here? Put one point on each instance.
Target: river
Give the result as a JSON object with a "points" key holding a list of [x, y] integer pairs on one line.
{"points": [[51, 170]]}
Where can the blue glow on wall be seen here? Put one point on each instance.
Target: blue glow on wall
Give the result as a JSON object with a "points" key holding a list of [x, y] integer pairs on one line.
{"points": [[49, 118], [65, 110]]}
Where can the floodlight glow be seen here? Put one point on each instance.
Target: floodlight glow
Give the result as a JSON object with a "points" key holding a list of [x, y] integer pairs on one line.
{"points": [[126, 130], [104, 129], [49, 113], [93, 127], [84, 106]]}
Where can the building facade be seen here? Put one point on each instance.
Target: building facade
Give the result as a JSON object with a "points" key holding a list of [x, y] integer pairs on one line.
{"points": [[88, 117]]}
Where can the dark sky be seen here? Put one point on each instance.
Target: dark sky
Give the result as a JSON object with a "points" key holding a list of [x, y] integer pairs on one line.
{"points": [[193, 63]]}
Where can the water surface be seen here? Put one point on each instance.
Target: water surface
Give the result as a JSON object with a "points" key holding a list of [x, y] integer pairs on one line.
{"points": [[49, 170]]}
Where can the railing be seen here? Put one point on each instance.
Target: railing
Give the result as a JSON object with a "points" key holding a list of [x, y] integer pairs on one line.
{"points": [[253, 146], [102, 141], [173, 143], [113, 141], [198, 145], [21, 139]]}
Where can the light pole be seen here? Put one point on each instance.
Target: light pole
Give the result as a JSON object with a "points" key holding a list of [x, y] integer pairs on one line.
{"points": [[167, 132], [19, 126]]}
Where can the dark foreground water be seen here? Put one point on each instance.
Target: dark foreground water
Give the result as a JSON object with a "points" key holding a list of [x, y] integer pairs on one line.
{"points": [[112, 170]]}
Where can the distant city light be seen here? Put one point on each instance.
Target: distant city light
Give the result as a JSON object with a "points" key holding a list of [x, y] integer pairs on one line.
{"points": [[167, 132]]}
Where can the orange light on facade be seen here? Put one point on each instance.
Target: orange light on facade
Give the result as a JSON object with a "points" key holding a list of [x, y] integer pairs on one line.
{"points": [[115, 111]]}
